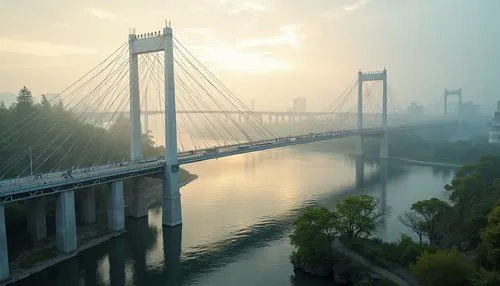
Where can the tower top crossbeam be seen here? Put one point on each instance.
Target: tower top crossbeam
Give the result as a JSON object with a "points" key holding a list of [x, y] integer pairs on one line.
{"points": [[372, 75], [448, 92]]}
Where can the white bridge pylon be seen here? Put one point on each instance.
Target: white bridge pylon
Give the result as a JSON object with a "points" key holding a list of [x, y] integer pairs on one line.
{"points": [[152, 43], [365, 77]]}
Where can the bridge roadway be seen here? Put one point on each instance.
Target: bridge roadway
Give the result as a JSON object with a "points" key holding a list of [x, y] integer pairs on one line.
{"points": [[18, 189]]}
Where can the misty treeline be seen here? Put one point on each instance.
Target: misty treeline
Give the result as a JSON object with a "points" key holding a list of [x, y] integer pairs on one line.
{"points": [[58, 139]]}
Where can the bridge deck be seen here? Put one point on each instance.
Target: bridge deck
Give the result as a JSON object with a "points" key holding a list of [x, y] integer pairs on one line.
{"points": [[21, 188]]}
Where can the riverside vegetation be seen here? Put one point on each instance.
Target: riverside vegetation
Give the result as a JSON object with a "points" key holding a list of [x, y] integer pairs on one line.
{"points": [[458, 240], [54, 133]]}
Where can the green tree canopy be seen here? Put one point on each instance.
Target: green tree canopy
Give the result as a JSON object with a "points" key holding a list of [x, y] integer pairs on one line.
{"points": [[313, 233], [426, 217], [59, 139], [473, 192], [442, 268], [491, 237], [359, 216]]}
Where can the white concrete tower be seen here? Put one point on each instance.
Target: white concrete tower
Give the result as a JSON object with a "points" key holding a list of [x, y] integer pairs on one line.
{"points": [[373, 76], [384, 146], [151, 43], [135, 111], [450, 92], [172, 214], [359, 146]]}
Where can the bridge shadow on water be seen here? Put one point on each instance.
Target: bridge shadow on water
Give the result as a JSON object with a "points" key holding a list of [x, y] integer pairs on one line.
{"points": [[127, 258]]}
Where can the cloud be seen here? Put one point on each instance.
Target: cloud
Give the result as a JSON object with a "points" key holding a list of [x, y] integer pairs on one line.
{"points": [[234, 6], [341, 11], [42, 49], [355, 6], [62, 26], [99, 13], [288, 36], [240, 55], [247, 6], [230, 58]]}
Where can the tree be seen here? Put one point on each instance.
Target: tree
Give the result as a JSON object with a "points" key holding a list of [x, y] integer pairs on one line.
{"points": [[442, 268], [45, 104], [359, 216], [486, 278], [473, 192], [425, 217], [313, 233], [491, 237], [415, 223], [24, 100]]}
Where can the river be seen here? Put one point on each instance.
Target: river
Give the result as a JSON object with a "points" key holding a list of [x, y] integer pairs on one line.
{"points": [[236, 220]]}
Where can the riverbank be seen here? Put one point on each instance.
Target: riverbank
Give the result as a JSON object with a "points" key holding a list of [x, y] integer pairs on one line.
{"points": [[393, 276], [45, 255], [427, 163]]}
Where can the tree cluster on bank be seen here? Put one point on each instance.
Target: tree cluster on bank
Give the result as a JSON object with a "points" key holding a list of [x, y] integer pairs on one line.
{"points": [[59, 138], [462, 236], [458, 240]]}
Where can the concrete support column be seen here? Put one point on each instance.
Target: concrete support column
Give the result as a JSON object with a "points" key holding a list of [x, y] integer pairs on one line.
{"points": [[116, 207], [4, 255], [171, 195], [384, 146], [359, 147], [172, 214], [88, 209], [445, 103], [37, 219], [65, 222], [138, 204], [135, 112], [360, 171]]}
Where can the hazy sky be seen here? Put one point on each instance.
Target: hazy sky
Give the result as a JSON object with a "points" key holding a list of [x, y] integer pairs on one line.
{"points": [[273, 50]]}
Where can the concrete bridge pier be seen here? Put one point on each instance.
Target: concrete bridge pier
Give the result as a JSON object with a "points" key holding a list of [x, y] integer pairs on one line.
{"points": [[88, 209], [116, 207], [4, 255], [65, 222], [384, 147], [138, 204], [37, 219], [172, 214], [360, 171]]}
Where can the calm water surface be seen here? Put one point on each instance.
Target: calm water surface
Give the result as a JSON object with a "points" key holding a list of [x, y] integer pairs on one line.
{"points": [[236, 221]]}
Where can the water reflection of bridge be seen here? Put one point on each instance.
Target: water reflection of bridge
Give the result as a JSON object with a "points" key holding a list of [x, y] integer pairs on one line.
{"points": [[127, 255]]}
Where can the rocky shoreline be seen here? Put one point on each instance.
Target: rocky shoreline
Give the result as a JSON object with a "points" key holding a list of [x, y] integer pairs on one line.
{"points": [[347, 268]]}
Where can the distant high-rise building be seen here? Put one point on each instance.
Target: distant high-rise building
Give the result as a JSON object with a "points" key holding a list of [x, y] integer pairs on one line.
{"points": [[253, 104], [415, 110], [469, 109], [300, 104], [494, 136]]}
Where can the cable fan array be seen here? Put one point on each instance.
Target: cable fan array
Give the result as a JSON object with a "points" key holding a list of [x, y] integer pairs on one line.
{"points": [[343, 112], [88, 123]]}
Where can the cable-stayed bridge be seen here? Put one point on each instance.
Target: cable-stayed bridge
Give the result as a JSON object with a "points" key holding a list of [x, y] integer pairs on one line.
{"points": [[155, 70]]}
